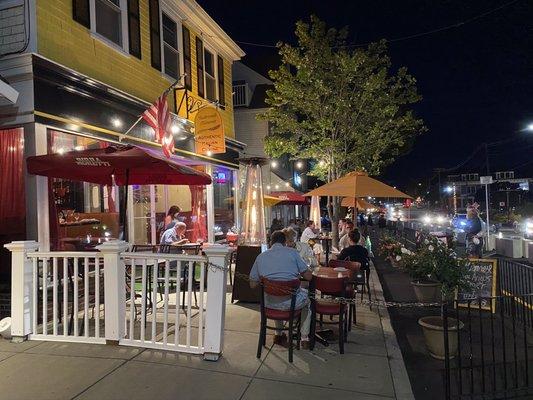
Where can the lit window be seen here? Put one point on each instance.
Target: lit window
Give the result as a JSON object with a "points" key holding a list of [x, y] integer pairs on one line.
{"points": [[108, 20], [170, 47]]}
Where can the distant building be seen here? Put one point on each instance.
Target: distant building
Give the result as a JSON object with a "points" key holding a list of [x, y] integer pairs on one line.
{"points": [[249, 95], [510, 189]]}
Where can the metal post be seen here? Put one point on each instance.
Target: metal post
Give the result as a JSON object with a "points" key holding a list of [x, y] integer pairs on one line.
{"points": [[487, 245]]}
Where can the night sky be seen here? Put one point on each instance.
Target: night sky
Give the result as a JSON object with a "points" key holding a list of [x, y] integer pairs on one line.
{"points": [[476, 79]]}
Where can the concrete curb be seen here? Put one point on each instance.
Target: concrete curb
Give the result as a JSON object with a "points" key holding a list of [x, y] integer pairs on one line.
{"points": [[400, 378]]}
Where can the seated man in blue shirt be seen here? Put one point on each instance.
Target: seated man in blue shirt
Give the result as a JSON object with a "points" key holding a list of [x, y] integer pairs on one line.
{"points": [[281, 263], [175, 234]]}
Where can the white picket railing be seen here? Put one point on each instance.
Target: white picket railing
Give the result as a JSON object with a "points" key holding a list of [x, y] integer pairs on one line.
{"points": [[94, 297], [61, 282], [173, 279]]}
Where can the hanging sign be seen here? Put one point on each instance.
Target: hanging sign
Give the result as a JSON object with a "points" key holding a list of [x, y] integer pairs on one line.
{"points": [[209, 132]]}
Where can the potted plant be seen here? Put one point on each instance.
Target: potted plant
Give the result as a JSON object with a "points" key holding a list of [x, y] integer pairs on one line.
{"points": [[453, 274], [419, 266]]}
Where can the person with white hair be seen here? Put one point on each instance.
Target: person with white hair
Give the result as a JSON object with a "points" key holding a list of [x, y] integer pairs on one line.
{"points": [[175, 234], [303, 248]]}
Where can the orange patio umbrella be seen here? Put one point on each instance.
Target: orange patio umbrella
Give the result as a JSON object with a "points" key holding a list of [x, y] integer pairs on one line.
{"points": [[357, 184], [360, 204]]}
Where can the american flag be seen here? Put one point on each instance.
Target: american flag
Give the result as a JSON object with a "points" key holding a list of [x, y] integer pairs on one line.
{"points": [[158, 117]]}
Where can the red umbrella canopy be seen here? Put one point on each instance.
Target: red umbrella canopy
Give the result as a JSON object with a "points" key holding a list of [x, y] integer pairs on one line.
{"points": [[290, 198], [129, 165]]}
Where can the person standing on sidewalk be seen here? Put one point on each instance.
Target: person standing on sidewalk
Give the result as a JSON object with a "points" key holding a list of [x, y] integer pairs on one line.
{"points": [[474, 232]]}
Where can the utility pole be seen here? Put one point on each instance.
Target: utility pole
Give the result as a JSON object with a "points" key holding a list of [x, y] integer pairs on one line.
{"points": [[487, 158]]}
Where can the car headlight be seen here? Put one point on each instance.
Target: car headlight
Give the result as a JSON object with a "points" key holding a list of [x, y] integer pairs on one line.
{"points": [[440, 219], [426, 219]]}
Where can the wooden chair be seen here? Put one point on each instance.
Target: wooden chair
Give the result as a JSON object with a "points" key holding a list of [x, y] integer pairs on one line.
{"points": [[280, 288], [335, 287], [351, 290]]}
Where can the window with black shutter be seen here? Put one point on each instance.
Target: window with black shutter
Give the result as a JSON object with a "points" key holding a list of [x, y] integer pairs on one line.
{"points": [[81, 13], [200, 66], [134, 28], [155, 34], [187, 64], [220, 73]]}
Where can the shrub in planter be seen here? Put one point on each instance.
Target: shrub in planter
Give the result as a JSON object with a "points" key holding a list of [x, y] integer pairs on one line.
{"points": [[453, 274], [390, 248]]}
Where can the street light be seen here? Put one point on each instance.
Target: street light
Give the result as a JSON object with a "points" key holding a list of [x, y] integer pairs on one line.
{"points": [[529, 127], [448, 189]]}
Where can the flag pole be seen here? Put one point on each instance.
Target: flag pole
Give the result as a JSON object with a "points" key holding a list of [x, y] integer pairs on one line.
{"points": [[121, 136]]}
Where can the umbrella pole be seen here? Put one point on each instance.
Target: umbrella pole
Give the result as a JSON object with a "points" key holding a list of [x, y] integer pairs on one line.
{"points": [[124, 209]]}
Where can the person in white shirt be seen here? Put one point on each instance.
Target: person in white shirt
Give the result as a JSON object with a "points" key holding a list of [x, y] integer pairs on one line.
{"points": [[345, 240], [309, 232]]}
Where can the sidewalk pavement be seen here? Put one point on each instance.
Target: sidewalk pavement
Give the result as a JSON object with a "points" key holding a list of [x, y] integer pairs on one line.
{"points": [[372, 367]]}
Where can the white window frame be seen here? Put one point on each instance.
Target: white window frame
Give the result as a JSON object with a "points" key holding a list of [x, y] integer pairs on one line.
{"points": [[209, 48], [125, 46], [179, 32]]}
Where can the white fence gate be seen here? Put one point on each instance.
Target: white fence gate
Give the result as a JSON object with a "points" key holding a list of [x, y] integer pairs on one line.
{"points": [[164, 301]]}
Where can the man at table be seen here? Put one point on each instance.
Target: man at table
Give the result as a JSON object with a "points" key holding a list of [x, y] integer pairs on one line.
{"points": [[354, 251], [281, 263], [175, 234]]}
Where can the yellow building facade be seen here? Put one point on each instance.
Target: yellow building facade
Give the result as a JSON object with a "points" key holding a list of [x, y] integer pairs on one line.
{"points": [[62, 39]]}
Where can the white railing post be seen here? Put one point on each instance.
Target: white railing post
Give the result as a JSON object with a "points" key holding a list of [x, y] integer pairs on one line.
{"points": [[21, 288], [114, 290], [216, 301]]}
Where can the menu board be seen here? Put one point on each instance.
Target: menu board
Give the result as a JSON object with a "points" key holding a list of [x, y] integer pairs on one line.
{"points": [[483, 284]]}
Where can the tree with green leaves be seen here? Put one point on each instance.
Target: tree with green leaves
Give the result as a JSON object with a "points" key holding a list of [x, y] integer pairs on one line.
{"points": [[339, 105]]}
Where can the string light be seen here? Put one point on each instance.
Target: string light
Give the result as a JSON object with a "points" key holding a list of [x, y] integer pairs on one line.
{"points": [[321, 163], [299, 165]]}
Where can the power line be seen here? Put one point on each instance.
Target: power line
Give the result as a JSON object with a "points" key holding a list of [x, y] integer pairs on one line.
{"points": [[408, 37]]}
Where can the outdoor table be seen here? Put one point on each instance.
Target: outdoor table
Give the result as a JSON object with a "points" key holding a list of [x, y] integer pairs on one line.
{"points": [[327, 272], [185, 247], [327, 240]]}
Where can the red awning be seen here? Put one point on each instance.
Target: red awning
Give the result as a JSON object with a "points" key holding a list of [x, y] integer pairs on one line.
{"points": [[129, 165], [291, 198]]}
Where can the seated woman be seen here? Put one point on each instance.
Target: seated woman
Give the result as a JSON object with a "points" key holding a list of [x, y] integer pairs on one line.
{"points": [[303, 248]]}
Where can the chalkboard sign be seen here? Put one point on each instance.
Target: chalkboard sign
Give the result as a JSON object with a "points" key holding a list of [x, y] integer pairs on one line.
{"points": [[483, 284]]}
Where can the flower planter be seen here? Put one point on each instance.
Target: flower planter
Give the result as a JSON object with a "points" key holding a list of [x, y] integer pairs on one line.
{"points": [[433, 328], [427, 291]]}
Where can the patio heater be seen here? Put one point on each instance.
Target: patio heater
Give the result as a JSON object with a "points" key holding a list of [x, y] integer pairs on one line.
{"points": [[252, 233], [314, 213]]}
